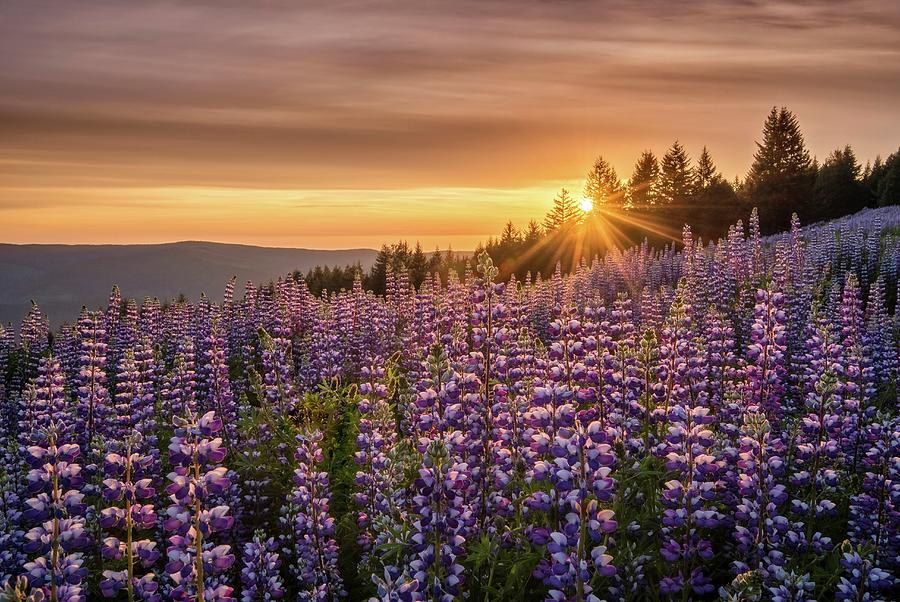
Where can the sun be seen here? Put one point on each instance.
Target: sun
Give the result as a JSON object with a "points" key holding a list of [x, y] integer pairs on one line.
{"points": [[587, 204]]}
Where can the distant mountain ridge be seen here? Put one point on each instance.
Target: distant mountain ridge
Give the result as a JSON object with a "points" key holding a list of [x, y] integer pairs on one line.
{"points": [[62, 278]]}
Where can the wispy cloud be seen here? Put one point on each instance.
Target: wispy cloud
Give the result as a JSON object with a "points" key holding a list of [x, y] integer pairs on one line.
{"points": [[411, 95]]}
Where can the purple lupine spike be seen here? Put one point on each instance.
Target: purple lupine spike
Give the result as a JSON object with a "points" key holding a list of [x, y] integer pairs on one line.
{"points": [[180, 390], [127, 489], [581, 474], [875, 510], [113, 309], [34, 336], [218, 385], [816, 469], [440, 525], [196, 455], [765, 368], [315, 547], [760, 528], [45, 403], [127, 399], [278, 371], [376, 479], [260, 574], [93, 397], [150, 320], [690, 513], [618, 367], [858, 379], [127, 333], [880, 335], [57, 508], [861, 579]]}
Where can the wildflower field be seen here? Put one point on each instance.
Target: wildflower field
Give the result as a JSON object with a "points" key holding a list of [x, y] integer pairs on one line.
{"points": [[702, 421]]}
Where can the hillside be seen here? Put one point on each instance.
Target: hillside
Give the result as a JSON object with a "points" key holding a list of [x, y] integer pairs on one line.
{"points": [[62, 278]]}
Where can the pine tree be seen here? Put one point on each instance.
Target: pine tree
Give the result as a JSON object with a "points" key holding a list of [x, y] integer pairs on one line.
{"points": [[707, 174], [434, 261], [676, 182], [510, 234], [532, 233], [714, 204], [378, 273], [643, 188], [883, 180], [603, 185], [839, 187], [418, 266], [782, 176], [565, 212]]}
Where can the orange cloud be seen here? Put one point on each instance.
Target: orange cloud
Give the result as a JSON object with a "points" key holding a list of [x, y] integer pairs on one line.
{"points": [[145, 122]]}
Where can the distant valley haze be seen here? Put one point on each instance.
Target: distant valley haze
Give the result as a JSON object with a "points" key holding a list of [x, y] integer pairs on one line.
{"points": [[62, 278]]}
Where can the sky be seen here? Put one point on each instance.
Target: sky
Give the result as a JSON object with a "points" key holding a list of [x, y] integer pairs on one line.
{"points": [[350, 124]]}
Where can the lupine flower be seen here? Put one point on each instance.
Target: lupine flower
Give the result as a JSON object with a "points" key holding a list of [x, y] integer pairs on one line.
{"points": [[765, 354], [688, 499], [259, 575], [127, 488], [278, 377], [93, 397], [316, 549], [440, 526], [58, 509], [197, 475]]}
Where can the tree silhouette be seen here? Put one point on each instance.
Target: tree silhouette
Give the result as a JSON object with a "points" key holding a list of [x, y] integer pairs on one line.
{"points": [[676, 181], [603, 185], [707, 173], [643, 188], [883, 180], [782, 176], [839, 188], [565, 212]]}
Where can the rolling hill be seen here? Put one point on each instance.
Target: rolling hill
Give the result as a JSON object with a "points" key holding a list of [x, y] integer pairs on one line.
{"points": [[62, 278]]}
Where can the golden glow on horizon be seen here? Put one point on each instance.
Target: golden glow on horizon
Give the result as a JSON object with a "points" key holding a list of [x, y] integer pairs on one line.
{"points": [[450, 217], [111, 135]]}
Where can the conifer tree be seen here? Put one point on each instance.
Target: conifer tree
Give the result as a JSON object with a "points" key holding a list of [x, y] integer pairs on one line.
{"points": [[418, 266], [839, 187], [643, 188], [565, 212], [532, 233], [714, 204], [883, 180], [782, 175], [676, 182], [707, 173], [510, 234], [603, 185]]}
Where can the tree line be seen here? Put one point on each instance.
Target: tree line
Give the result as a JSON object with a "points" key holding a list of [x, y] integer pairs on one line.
{"points": [[659, 197], [783, 179], [398, 258]]}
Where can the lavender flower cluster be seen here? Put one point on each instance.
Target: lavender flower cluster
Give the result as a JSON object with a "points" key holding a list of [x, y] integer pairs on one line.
{"points": [[701, 421]]}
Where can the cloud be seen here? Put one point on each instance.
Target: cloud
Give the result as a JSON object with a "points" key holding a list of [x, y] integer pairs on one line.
{"points": [[412, 95]]}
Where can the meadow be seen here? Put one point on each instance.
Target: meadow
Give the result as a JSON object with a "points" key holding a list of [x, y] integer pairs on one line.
{"points": [[693, 422]]}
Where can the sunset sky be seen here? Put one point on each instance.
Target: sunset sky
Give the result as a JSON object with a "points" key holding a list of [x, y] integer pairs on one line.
{"points": [[348, 124]]}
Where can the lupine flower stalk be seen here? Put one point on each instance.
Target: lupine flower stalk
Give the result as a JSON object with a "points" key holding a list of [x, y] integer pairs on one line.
{"points": [[259, 576], [316, 548], [196, 455], [58, 508], [128, 488]]}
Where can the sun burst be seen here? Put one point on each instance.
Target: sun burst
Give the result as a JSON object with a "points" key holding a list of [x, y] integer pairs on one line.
{"points": [[587, 204]]}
